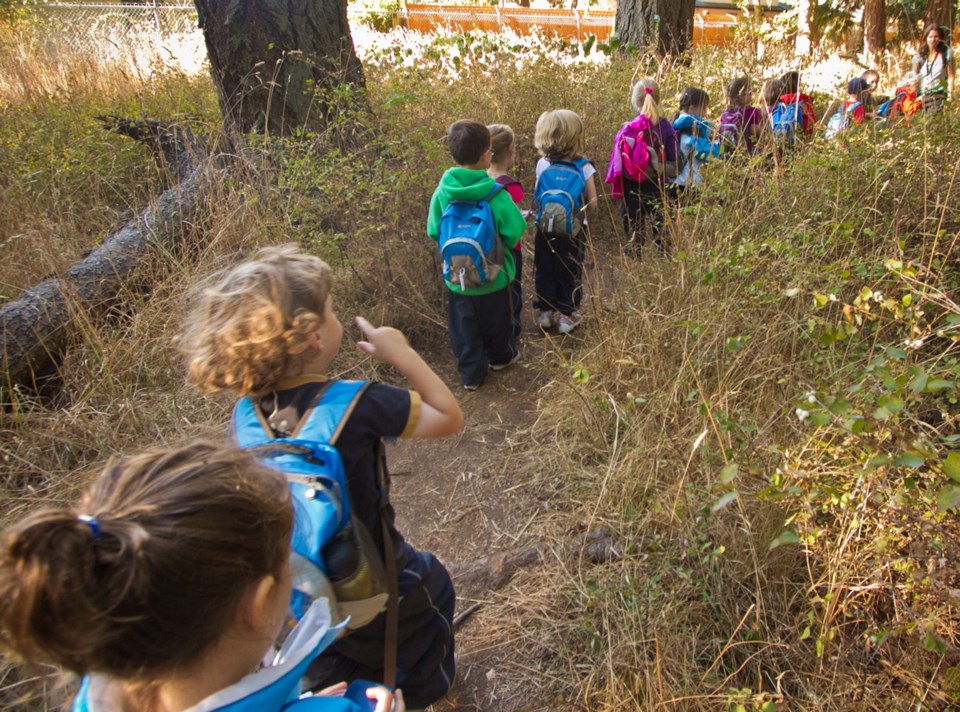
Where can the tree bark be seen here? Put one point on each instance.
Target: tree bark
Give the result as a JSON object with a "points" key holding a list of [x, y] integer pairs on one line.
{"points": [[943, 13], [666, 26], [36, 327], [276, 63], [874, 30]]}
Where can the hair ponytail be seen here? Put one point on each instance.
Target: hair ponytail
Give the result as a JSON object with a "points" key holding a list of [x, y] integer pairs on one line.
{"points": [[646, 99], [152, 578]]}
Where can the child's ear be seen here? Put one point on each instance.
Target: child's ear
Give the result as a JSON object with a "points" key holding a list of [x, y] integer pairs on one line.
{"points": [[256, 611]]}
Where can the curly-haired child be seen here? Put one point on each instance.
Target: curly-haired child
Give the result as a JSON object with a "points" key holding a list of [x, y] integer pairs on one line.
{"points": [[267, 329]]}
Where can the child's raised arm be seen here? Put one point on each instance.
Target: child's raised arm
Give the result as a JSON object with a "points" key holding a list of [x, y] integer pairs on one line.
{"points": [[440, 413]]}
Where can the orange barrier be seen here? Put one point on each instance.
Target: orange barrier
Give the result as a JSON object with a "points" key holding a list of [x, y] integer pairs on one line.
{"points": [[710, 27]]}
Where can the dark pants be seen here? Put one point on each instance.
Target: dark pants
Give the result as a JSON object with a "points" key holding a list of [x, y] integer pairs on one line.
{"points": [[516, 292], [481, 332], [425, 660], [642, 214], [557, 272]]}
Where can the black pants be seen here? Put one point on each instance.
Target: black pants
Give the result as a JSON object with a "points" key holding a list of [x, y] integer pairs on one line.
{"points": [[642, 214], [425, 660], [557, 272], [481, 332], [516, 292]]}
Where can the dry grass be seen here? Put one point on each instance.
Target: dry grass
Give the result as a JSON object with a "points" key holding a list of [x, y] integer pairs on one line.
{"points": [[684, 367]]}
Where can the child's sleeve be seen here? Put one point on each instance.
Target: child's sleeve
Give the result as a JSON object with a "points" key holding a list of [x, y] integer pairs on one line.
{"points": [[516, 192], [509, 219], [436, 212]]}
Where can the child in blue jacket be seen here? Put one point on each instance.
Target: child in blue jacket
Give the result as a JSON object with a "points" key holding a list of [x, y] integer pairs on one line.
{"points": [[694, 138]]}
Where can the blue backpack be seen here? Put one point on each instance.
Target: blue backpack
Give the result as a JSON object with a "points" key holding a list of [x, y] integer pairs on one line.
{"points": [[333, 554], [840, 121], [469, 244], [786, 120], [558, 198]]}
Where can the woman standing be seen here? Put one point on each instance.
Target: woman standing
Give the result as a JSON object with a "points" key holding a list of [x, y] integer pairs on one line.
{"points": [[934, 63]]}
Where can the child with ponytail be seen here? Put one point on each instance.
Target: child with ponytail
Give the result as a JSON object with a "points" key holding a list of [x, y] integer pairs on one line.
{"points": [[166, 587], [643, 196]]}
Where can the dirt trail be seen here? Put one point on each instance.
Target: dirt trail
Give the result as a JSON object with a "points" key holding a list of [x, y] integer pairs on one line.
{"points": [[466, 497]]}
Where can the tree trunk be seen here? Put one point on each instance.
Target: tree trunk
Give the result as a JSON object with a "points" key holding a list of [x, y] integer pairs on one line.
{"points": [[276, 63], [666, 26], [874, 30], [941, 12], [36, 327]]}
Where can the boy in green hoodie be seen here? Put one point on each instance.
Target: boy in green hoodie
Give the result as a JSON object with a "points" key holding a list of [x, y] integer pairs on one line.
{"points": [[479, 319]]}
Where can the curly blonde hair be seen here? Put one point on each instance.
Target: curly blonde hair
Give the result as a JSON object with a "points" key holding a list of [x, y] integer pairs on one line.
{"points": [[247, 330]]}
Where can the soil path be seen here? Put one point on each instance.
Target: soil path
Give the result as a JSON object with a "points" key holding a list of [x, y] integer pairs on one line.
{"points": [[477, 497]]}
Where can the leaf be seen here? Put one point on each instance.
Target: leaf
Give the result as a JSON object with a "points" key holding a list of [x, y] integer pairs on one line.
{"points": [[893, 265], [724, 501], [792, 292], [805, 634], [951, 466], [892, 403], [936, 385], [948, 498], [909, 459], [895, 352], [820, 299], [787, 537], [728, 473]]}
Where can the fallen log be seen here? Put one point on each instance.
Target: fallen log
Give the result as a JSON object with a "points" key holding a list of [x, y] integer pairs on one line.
{"points": [[35, 328]]}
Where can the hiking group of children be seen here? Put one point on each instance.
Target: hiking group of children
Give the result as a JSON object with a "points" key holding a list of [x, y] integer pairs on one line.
{"points": [[168, 586]]}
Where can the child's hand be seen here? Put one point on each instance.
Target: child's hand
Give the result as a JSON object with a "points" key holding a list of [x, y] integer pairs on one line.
{"points": [[383, 343], [387, 701]]}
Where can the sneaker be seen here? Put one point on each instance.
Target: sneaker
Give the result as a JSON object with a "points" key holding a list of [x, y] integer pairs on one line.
{"points": [[471, 386], [566, 324], [501, 366], [545, 319]]}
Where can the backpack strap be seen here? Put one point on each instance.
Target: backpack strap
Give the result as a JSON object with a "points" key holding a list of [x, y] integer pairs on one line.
{"points": [[325, 420], [493, 191]]}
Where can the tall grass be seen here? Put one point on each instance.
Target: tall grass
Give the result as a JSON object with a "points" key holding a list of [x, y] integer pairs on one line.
{"points": [[764, 418]]}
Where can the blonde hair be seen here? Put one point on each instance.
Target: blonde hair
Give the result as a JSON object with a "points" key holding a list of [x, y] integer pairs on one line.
{"points": [[559, 134], [247, 330], [645, 99], [146, 574], [502, 140]]}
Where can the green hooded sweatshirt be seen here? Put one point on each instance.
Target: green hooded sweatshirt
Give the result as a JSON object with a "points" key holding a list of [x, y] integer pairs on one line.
{"points": [[466, 184]]}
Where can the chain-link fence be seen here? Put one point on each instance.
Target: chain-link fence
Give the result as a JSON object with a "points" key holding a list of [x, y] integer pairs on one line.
{"points": [[87, 27]]}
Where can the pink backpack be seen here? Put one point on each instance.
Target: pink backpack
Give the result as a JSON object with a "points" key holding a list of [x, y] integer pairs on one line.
{"points": [[630, 157]]}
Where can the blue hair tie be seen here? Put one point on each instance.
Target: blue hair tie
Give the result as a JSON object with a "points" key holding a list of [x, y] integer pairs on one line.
{"points": [[92, 523]]}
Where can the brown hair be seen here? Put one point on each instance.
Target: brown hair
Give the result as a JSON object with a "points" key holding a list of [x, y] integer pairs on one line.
{"points": [[559, 134], [467, 141], [771, 91], [501, 140], [175, 538], [247, 329], [737, 91]]}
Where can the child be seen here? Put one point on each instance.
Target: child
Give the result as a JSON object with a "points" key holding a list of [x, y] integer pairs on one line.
{"points": [[741, 123], [167, 587], [792, 96], [694, 137], [504, 152], [479, 318], [558, 257], [770, 93], [267, 329], [853, 112], [642, 208], [906, 100]]}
